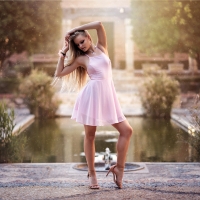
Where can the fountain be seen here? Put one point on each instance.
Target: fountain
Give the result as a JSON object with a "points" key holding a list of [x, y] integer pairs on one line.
{"points": [[107, 158], [105, 161]]}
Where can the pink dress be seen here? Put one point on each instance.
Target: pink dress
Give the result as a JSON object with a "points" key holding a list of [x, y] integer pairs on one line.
{"points": [[97, 103]]}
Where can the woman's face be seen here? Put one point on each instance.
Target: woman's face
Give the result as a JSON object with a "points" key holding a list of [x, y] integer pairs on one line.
{"points": [[82, 42]]}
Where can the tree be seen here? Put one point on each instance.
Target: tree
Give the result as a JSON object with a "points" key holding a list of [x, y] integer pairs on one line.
{"points": [[167, 26], [32, 26]]}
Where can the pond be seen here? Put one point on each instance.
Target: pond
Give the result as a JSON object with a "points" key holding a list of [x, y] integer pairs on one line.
{"points": [[61, 140]]}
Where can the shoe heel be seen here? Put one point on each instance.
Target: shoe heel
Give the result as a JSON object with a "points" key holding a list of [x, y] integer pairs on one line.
{"points": [[108, 173]]}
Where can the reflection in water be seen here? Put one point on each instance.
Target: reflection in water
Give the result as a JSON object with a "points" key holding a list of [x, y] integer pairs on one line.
{"points": [[61, 140], [159, 138], [45, 143]]}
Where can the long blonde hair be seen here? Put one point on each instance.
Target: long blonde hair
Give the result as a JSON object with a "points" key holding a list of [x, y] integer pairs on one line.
{"points": [[76, 79]]}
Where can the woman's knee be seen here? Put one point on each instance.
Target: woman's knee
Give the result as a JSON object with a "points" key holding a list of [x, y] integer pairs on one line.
{"points": [[90, 133], [124, 129], [129, 131]]}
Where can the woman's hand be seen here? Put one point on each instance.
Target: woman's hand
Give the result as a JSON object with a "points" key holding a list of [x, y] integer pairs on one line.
{"points": [[65, 46], [68, 34]]}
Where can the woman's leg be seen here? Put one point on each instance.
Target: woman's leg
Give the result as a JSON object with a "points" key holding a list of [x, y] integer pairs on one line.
{"points": [[125, 131], [89, 148]]}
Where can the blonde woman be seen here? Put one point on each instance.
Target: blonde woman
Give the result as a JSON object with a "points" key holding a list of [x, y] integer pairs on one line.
{"points": [[97, 103]]}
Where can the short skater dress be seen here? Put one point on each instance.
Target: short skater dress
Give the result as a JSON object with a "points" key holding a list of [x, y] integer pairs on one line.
{"points": [[97, 103]]}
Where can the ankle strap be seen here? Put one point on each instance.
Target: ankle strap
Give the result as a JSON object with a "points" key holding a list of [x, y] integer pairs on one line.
{"points": [[119, 166], [91, 171]]}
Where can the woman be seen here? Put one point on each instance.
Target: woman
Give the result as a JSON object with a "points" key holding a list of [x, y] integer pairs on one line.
{"points": [[97, 104]]}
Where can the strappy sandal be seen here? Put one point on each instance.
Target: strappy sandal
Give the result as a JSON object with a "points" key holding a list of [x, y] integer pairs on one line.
{"points": [[119, 184], [92, 186]]}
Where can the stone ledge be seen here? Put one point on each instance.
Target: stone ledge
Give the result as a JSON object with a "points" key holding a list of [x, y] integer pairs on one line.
{"points": [[23, 124]]}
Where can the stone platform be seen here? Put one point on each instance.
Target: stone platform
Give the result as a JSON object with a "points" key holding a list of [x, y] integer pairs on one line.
{"points": [[60, 181]]}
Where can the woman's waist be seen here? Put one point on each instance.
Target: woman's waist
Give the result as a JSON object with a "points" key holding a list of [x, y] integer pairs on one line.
{"points": [[100, 78]]}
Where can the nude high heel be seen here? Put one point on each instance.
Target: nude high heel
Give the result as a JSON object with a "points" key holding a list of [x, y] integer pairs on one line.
{"points": [[92, 186], [119, 184]]}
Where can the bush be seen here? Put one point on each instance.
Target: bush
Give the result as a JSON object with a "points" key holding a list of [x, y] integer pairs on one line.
{"points": [[157, 95], [38, 94], [12, 147]]}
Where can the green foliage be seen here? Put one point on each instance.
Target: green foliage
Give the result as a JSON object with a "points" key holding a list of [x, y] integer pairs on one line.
{"points": [[157, 94], [38, 94], [32, 26], [167, 26], [12, 148]]}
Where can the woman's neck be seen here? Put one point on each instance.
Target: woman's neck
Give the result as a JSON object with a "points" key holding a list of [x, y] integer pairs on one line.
{"points": [[91, 50]]}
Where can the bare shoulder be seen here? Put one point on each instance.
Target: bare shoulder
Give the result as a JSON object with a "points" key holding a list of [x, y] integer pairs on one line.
{"points": [[103, 49]]}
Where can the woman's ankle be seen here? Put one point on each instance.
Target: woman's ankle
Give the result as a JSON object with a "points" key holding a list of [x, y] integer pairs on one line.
{"points": [[120, 167], [92, 172]]}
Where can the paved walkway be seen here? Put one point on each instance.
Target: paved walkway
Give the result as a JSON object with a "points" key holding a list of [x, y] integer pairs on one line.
{"points": [[61, 181]]}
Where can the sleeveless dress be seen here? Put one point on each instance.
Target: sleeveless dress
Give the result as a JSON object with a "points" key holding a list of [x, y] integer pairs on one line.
{"points": [[97, 103]]}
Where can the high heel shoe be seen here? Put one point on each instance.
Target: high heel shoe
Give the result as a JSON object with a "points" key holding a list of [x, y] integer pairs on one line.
{"points": [[119, 184], [92, 186]]}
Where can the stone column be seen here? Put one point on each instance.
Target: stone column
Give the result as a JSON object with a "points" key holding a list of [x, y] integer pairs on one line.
{"points": [[66, 26], [129, 46], [192, 65]]}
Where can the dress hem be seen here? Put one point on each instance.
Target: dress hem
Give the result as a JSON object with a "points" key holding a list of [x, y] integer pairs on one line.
{"points": [[103, 124]]}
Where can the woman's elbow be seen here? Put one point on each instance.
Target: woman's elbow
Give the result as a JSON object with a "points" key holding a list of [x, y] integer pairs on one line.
{"points": [[99, 24]]}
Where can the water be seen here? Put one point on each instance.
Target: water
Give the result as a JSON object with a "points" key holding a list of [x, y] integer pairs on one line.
{"points": [[61, 140]]}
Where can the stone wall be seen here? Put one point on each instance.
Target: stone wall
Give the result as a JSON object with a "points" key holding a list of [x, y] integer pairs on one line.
{"points": [[96, 4]]}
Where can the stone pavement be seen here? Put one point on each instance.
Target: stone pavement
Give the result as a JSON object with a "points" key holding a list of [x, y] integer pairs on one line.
{"points": [[60, 181]]}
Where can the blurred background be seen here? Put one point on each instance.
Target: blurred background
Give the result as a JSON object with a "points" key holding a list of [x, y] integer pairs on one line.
{"points": [[144, 37]]}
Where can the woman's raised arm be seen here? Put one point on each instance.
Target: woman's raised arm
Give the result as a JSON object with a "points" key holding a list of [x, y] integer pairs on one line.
{"points": [[101, 34]]}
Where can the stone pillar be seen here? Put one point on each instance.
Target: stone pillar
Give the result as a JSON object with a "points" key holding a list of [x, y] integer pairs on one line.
{"points": [[66, 26], [129, 46], [192, 65]]}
